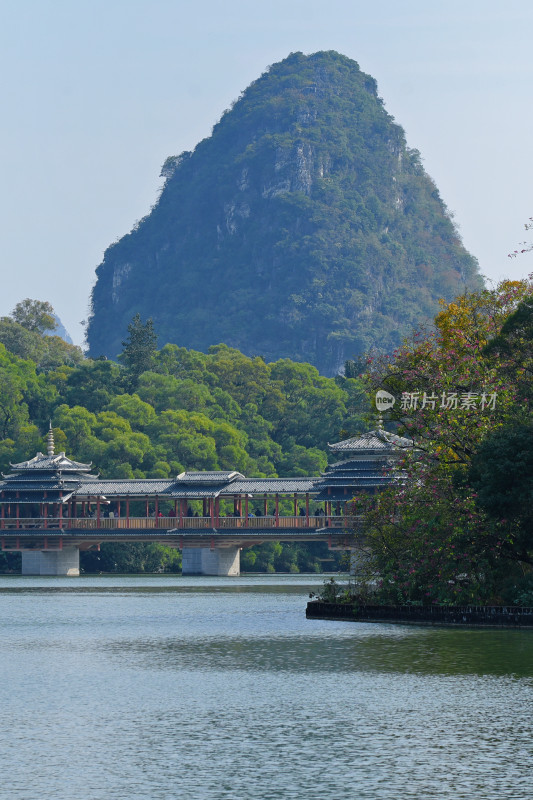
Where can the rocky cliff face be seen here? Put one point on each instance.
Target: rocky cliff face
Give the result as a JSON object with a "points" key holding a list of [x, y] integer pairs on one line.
{"points": [[303, 227]]}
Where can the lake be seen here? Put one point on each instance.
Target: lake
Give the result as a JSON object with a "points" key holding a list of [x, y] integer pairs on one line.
{"points": [[170, 687]]}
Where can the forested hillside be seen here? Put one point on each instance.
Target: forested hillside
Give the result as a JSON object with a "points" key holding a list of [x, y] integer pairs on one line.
{"points": [[158, 413], [302, 228]]}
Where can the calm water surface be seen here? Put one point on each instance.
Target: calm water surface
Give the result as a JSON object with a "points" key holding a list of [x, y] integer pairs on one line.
{"points": [[171, 687]]}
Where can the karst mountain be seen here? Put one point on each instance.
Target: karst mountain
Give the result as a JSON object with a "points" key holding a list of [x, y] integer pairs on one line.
{"points": [[303, 227]]}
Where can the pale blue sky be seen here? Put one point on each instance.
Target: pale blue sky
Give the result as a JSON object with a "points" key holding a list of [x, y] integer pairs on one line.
{"points": [[96, 94]]}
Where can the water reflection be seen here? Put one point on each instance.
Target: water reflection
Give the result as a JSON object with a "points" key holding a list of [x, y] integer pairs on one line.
{"points": [[197, 691], [435, 652]]}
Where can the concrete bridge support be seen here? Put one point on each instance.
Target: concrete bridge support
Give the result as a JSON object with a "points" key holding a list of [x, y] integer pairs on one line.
{"points": [[221, 561], [51, 562]]}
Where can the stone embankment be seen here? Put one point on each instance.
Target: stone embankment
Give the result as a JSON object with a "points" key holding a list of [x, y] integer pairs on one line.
{"points": [[474, 616]]}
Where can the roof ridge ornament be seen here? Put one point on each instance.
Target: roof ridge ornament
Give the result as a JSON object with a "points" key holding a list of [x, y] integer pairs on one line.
{"points": [[50, 445]]}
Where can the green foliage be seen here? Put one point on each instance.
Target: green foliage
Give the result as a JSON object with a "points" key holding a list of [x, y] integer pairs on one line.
{"points": [[303, 228], [220, 410], [459, 530], [501, 473], [34, 315], [139, 348], [272, 557], [334, 592], [133, 558], [48, 352]]}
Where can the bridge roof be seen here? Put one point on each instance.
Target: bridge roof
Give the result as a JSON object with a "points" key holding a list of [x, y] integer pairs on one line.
{"points": [[51, 463], [378, 441], [124, 487], [171, 489], [370, 463], [30, 497], [216, 477], [272, 486]]}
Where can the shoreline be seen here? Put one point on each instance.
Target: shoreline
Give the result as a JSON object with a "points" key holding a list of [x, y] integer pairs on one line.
{"points": [[448, 616]]}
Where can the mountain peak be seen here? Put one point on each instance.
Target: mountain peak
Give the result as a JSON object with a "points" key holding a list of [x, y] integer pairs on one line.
{"points": [[303, 227]]}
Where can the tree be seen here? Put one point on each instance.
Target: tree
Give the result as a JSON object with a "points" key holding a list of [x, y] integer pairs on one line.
{"points": [[35, 315], [513, 348], [501, 472], [20, 341], [140, 347], [431, 537]]}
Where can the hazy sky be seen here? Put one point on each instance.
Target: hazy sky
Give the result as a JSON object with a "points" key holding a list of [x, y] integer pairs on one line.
{"points": [[97, 93]]}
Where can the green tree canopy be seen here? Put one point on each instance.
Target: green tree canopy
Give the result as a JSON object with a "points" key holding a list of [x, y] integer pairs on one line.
{"points": [[140, 347], [34, 315]]}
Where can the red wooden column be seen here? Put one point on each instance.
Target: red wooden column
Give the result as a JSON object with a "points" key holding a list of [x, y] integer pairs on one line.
{"points": [[127, 512], [217, 510], [277, 511], [60, 510], [265, 505], [212, 511], [45, 511], [295, 504], [246, 510], [307, 509], [118, 508], [97, 512], [17, 514], [181, 513], [156, 512]]}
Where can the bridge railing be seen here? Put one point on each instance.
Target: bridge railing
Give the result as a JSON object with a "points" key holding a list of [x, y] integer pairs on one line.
{"points": [[28, 524]]}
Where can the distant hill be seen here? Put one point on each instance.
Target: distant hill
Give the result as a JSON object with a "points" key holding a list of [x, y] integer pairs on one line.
{"points": [[60, 331], [303, 227]]}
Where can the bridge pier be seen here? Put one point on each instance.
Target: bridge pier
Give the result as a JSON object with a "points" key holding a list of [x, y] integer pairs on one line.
{"points": [[221, 561], [51, 562]]}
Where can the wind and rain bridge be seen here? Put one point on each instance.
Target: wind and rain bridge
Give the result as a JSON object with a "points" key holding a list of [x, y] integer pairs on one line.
{"points": [[51, 507]]}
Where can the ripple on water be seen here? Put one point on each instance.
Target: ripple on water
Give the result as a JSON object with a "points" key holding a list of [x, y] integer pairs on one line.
{"points": [[215, 694]]}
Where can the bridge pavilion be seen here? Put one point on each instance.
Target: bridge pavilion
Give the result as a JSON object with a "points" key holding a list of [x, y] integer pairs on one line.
{"points": [[51, 507]]}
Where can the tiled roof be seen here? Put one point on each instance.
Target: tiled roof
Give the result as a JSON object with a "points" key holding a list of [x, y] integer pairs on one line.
{"points": [[272, 486], [222, 476], [55, 463], [138, 487], [51, 497], [37, 485], [195, 492], [373, 441], [369, 461], [381, 462]]}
